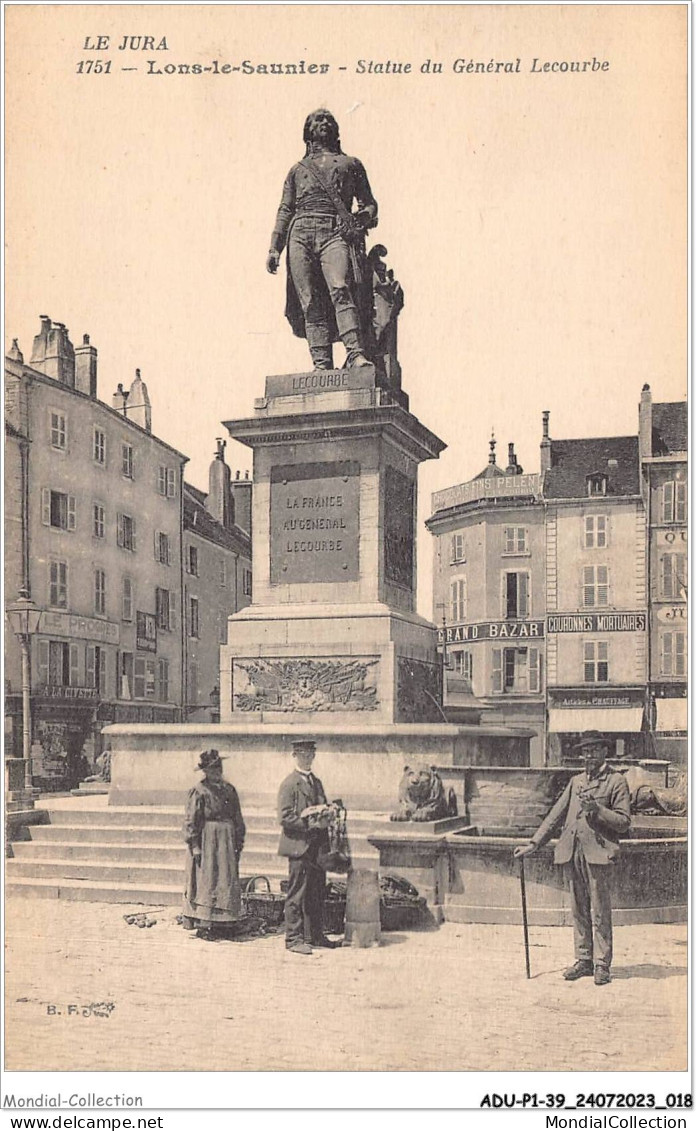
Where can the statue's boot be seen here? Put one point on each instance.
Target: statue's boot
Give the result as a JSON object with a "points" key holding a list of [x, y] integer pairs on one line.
{"points": [[322, 356], [355, 358]]}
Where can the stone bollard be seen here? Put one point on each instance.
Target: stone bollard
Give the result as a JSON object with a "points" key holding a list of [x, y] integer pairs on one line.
{"points": [[362, 909]]}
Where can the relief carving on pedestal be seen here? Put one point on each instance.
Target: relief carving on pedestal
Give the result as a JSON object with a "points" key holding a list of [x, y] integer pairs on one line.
{"points": [[305, 685], [419, 695], [399, 506]]}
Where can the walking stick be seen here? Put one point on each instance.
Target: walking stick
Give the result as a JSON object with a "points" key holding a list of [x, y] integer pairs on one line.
{"points": [[524, 916]]}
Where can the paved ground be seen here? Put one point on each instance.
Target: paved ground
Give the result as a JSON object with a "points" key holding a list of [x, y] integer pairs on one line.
{"points": [[452, 999]]}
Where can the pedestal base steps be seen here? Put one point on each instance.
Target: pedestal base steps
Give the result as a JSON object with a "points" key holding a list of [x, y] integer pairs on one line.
{"points": [[87, 850]]}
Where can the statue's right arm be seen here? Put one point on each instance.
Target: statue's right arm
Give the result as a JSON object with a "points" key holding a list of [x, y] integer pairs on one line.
{"points": [[285, 214]]}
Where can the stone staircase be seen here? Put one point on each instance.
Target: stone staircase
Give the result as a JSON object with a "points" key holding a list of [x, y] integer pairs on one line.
{"points": [[90, 851]]}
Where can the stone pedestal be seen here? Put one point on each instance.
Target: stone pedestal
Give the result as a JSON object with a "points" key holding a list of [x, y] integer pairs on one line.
{"points": [[332, 632], [331, 647]]}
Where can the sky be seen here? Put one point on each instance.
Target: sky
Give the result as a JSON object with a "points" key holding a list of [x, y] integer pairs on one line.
{"points": [[536, 219]]}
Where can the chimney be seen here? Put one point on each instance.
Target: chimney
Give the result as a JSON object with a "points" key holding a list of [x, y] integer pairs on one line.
{"points": [[513, 468], [139, 410], [218, 501], [241, 494], [52, 352], [86, 368], [15, 353], [645, 447], [545, 456], [119, 400]]}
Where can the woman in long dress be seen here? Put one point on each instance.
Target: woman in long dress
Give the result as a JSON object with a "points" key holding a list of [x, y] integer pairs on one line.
{"points": [[214, 831]]}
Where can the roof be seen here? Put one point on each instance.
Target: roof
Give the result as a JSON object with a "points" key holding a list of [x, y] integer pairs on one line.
{"points": [[490, 471], [670, 428], [35, 375], [200, 522], [573, 460]]}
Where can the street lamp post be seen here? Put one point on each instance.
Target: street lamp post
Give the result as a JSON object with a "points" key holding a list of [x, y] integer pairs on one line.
{"points": [[23, 617]]}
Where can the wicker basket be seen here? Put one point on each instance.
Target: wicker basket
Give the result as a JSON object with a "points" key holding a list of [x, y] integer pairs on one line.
{"points": [[265, 904]]}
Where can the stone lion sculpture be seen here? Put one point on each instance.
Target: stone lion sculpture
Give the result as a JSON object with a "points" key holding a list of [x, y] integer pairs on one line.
{"points": [[422, 796]]}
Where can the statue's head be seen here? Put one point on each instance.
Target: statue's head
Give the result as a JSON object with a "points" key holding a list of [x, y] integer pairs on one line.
{"points": [[321, 129]]}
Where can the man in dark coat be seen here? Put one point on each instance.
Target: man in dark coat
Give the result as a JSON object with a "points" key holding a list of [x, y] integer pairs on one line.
{"points": [[303, 839], [596, 808], [324, 244]]}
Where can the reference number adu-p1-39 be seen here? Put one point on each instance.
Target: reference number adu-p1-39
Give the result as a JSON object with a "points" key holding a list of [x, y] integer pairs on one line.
{"points": [[583, 1100]]}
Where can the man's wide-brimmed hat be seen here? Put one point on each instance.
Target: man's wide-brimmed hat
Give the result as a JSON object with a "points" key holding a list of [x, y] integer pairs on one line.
{"points": [[591, 738], [209, 758], [304, 746]]}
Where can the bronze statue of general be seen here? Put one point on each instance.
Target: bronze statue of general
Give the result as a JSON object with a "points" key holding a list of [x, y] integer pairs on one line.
{"points": [[329, 293]]}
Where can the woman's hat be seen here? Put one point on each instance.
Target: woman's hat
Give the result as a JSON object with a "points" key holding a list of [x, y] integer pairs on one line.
{"points": [[207, 759]]}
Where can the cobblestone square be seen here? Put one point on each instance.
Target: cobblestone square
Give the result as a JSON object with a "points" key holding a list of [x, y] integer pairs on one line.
{"points": [[451, 999]]}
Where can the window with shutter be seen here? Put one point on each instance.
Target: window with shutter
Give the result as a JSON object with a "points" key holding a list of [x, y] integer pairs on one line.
{"points": [[595, 531], [497, 670], [163, 680], [534, 669], [458, 592], [680, 501], [516, 594], [58, 509], [193, 616], [596, 661], [515, 539], [673, 654], [126, 676], [43, 662], [58, 663], [58, 430], [99, 447], [127, 461], [457, 548], [668, 501], [125, 531], [595, 586], [74, 665], [673, 576], [163, 609], [99, 592], [58, 584], [127, 600]]}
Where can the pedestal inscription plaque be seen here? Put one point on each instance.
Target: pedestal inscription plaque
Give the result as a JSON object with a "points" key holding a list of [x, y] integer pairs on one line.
{"points": [[315, 522]]}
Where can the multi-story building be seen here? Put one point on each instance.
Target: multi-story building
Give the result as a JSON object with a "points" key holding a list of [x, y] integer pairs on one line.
{"points": [[94, 520], [663, 438], [489, 597], [217, 579], [596, 596], [561, 597]]}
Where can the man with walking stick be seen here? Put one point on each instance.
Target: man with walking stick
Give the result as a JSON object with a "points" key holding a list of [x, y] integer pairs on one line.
{"points": [[595, 808]]}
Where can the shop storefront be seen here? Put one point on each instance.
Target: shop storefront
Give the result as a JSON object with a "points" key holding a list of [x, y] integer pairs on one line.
{"points": [[669, 722], [617, 713]]}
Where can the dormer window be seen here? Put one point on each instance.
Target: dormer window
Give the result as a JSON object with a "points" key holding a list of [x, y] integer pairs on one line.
{"points": [[597, 483]]}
